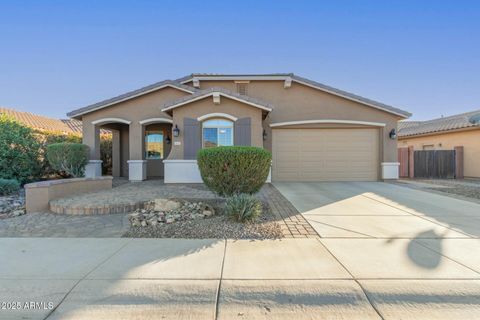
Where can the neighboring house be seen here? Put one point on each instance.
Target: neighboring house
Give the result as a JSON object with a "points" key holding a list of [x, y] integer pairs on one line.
{"points": [[42, 123], [444, 134], [315, 132]]}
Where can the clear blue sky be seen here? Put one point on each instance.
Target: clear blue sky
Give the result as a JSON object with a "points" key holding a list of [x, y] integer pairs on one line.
{"points": [[422, 56]]}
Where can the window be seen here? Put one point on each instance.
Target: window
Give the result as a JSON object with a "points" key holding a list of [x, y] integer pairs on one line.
{"points": [[217, 132], [153, 145]]}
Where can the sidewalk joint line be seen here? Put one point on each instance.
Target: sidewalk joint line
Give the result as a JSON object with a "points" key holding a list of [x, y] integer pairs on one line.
{"points": [[420, 216], [443, 255], [84, 277], [217, 297], [354, 279]]}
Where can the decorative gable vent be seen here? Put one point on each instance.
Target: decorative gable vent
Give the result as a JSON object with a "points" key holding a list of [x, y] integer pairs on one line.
{"points": [[242, 88]]}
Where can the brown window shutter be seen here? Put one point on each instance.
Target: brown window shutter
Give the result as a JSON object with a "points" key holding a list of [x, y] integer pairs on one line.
{"points": [[242, 134], [192, 138]]}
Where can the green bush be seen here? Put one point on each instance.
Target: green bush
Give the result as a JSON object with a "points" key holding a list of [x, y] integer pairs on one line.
{"points": [[243, 207], [47, 138], [8, 186], [232, 170], [70, 158], [19, 151]]}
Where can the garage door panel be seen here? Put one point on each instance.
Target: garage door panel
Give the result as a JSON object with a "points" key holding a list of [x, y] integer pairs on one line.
{"points": [[325, 154]]}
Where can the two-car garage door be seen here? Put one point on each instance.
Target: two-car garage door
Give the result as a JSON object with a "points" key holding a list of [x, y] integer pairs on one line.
{"points": [[325, 154]]}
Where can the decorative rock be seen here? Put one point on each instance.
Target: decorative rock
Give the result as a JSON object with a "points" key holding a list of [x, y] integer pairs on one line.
{"points": [[207, 213], [12, 205], [166, 205], [182, 211]]}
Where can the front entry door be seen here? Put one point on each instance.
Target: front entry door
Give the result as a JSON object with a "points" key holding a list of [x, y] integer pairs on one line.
{"points": [[156, 150]]}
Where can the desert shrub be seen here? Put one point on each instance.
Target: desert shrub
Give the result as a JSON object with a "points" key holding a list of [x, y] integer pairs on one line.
{"points": [[243, 207], [70, 158], [47, 138], [232, 170], [19, 151], [8, 186]]}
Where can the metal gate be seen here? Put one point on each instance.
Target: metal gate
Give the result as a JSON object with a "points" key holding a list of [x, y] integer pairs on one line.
{"points": [[434, 164]]}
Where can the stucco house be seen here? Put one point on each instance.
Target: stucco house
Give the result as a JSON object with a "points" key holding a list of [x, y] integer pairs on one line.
{"points": [[315, 132], [446, 133]]}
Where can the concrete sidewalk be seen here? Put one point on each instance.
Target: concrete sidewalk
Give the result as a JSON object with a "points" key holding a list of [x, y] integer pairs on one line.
{"points": [[219, 279]]}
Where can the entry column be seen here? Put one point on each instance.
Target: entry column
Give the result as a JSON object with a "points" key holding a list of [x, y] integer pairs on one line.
{"points": [[91, 137], [137, 166]]}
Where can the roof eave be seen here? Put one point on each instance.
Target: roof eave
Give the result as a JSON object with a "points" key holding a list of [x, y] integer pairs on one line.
{"points": [[281, 77], [76, 114], [415, 135]]}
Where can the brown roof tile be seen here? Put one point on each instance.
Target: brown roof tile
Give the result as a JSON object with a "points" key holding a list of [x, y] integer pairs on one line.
{"points": [[458, 121]]}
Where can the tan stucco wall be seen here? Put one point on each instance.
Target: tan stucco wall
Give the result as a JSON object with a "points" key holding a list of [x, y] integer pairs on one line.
{"points": [[206, 106], [470, 140], [134, 110], [39, 194], [300, 102]]}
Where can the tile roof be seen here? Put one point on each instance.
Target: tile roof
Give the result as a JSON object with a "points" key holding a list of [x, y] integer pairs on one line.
{"points": [[458, 121], [38, 122], [130, 95], [74, 125], [207, 92], [309, 82], [179, 83]]}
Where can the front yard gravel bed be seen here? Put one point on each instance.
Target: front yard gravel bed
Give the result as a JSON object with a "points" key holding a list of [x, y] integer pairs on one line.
{"points": [[465, 188], [12, 205], [218, 226]]}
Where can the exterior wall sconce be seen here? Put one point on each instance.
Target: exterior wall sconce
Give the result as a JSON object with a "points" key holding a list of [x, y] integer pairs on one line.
{"points": [[176, 131], [393, 134], [168, 140], [264, 135]]}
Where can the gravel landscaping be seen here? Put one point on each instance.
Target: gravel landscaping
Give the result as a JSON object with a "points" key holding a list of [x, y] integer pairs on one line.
{"points": [[191, 221], [462, 188], [12, 205], [465, 188]]}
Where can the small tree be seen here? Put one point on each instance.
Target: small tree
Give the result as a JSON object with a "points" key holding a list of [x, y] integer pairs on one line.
{"points": [[233, 170], [70, 158], [19, 151]]}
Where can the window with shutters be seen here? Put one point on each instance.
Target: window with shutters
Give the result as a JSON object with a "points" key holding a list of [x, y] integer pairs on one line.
{"points": [[242, 88], [217, 132]]}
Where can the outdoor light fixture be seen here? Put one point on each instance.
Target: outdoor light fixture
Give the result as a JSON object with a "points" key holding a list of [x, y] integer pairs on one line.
{"points": [[176, 131], [168, 140], [264, 134], [393, 134]]}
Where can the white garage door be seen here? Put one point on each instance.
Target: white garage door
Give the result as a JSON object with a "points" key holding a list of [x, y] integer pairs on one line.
{"points": [[325, 154]]}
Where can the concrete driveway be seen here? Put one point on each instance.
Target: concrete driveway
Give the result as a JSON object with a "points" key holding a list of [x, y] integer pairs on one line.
{"points": [[405, 247]]}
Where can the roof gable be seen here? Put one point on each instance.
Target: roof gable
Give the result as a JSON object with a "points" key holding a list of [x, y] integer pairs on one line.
{"points": [[301, 80], [132, 94], [202, 94]]}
